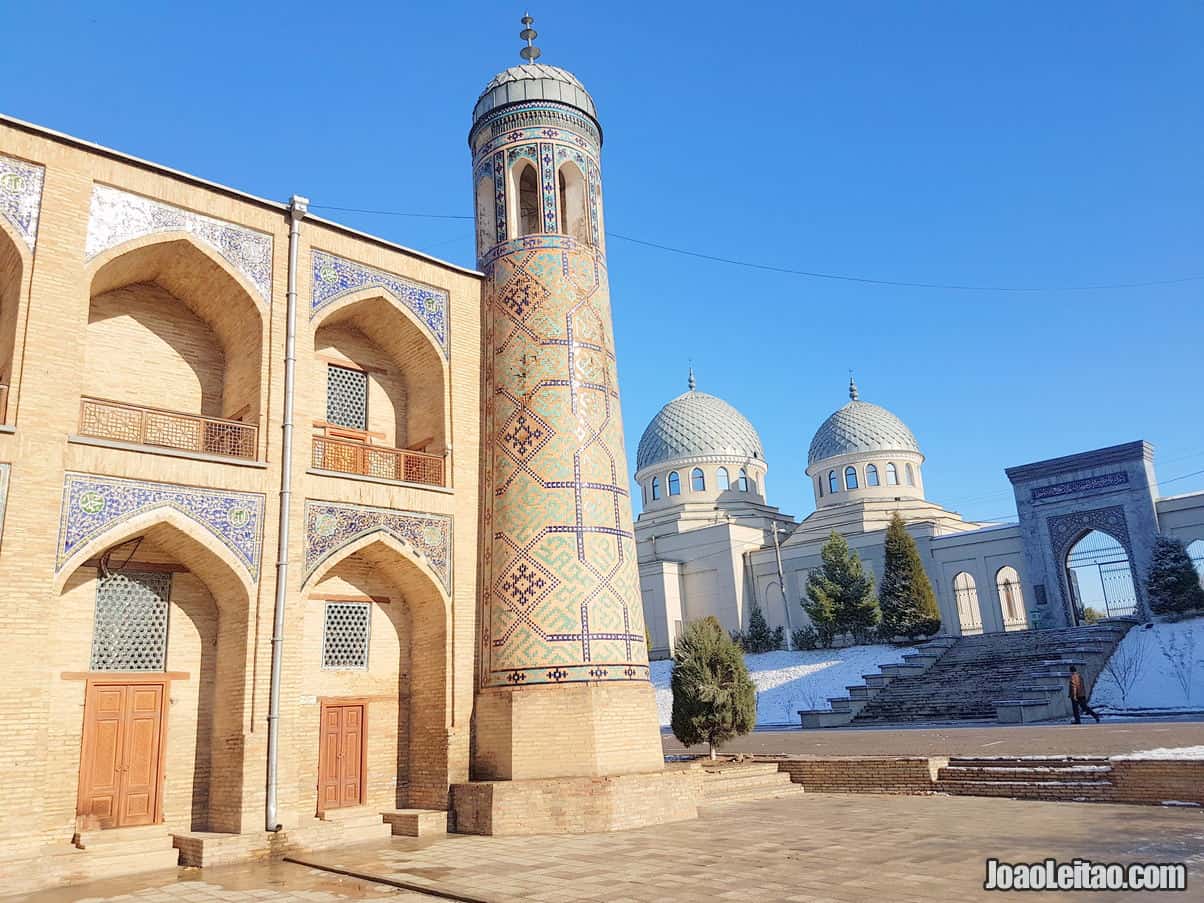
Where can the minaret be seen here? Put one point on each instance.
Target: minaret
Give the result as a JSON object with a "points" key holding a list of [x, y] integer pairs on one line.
{"points": [[563, 687]]}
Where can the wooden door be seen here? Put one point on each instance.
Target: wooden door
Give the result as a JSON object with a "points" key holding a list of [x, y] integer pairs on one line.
{"points": [[341, 757], [121, 767]]}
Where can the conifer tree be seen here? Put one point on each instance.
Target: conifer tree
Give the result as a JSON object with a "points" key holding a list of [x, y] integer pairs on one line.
{"points": [[759, 637], [714, 699], [1173, 586], [906, 597], [840, 594]]}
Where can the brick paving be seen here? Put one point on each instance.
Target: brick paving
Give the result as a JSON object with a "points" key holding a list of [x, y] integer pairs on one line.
{"points": [[1108, 739], [813, 847]]}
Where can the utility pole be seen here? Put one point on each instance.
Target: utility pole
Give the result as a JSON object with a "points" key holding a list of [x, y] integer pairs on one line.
{"points": [[777, 551]]}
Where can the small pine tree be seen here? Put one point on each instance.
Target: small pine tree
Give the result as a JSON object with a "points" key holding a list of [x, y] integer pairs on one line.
{"points": [[1173, 586], [759, 637], [714, 699], [840, 595], [907, 600]]}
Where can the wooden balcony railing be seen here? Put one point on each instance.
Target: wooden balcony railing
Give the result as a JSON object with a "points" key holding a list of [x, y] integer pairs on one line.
{"points": [[170, 429], [377, 461]]}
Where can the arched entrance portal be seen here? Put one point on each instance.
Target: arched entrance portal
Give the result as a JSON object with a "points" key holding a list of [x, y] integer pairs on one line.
{"points": [[375, 672], [1100, 577], [153, 627]]}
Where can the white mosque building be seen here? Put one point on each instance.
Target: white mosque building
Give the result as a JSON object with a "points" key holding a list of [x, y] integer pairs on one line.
{"points": [[709, 542]]}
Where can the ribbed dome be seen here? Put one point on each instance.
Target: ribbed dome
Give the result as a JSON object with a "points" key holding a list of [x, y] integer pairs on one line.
{"points": [[860, 427], [695, 424], [534, 81]]}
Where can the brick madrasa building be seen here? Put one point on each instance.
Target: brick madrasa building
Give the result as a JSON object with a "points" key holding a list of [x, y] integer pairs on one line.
{"points": [[303, 527]]}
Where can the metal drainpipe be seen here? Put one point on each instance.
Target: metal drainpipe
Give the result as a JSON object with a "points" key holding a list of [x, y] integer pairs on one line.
{"points": [[298, 207]]}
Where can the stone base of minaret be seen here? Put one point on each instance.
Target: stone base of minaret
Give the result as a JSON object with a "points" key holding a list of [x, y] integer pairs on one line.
{"points": [[573, 759]]}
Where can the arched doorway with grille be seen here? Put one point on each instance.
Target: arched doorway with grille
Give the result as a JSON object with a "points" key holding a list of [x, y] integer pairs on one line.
{"points": [[965, 592], [1099, 576]]}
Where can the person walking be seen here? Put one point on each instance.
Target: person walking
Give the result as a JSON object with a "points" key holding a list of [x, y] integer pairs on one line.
{"points": [[1078, 696]]}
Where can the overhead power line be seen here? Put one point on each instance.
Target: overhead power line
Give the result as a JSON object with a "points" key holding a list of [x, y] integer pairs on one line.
{"points": [[814, 274]]}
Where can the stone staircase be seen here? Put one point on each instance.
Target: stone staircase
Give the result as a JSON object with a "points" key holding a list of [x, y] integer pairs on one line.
{"points": [[730, 782], [1006, 677], [1064, 778], [339, 827]]}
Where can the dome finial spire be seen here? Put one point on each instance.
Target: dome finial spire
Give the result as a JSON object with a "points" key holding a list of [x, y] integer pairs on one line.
{"points": [[852, 387], [530, 53], [692, 382]]}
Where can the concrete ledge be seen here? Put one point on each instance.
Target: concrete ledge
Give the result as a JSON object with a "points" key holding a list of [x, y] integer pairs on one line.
{"points": [[576, 805]]}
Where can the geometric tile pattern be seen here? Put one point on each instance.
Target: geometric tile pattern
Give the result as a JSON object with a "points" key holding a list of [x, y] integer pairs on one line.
{"points": [[561, 586], [696, 424], [330, 526], [857, 427], [334, 277], [130, 630], [346, 397], [117, 216], [21, 196], [92, 505]]}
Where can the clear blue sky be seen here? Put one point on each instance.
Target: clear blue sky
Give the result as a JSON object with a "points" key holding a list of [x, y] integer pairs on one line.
{"points": [[1002, 143]]}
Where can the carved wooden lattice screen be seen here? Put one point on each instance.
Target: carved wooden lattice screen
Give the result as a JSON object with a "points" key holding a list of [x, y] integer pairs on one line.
{"points": [[130, 632]]}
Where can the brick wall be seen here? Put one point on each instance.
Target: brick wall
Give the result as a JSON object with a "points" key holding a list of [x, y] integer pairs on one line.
{"points": [[872, 774], [1157, 780]]}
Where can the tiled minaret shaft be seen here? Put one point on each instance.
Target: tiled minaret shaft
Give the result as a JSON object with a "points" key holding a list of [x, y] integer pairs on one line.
{"points": [[564, 668]]}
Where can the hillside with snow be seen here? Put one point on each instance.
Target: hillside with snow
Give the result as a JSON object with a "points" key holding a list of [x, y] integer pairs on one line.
{"points": [[1155, 669], [789, 681]]}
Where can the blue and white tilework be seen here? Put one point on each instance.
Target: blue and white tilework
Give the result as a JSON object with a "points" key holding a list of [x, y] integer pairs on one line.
{"points": [[118, 216], [21, 196], [93, 505], [334, 277], [330, 526]]}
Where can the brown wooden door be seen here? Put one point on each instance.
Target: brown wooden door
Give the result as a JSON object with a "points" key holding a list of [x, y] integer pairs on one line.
{"points": [[120, 771], [341, 757]]}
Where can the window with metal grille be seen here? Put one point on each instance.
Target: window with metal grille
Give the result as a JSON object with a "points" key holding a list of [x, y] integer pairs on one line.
{"points": [[345, 636], [130, 631], [346, 397]]}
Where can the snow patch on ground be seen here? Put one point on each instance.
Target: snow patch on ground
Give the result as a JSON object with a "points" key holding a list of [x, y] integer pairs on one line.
{"points": [[1179, 752], [1157, 668], [789, 681]]}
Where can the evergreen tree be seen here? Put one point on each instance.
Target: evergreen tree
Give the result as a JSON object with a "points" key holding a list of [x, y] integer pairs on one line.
{"points": [[714, 699], [840, 595], [1173, 586], [759, 637], [907, 600]]}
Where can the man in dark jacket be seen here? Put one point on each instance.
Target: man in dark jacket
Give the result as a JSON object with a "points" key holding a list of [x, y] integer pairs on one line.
{"points": [[1078, 696]]}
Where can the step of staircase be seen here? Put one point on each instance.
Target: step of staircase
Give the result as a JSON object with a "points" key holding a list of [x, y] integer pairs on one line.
{"points": [[733, 782], [339, 827], [416, 822], [1083, 778]]}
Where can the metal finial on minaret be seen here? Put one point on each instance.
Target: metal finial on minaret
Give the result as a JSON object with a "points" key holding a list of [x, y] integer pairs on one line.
{"points": [[530, 53], [852, 387], [691, 382]]}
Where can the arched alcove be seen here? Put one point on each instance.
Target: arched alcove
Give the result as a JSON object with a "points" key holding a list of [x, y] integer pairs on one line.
{"points": [[1099, 574], [965, 593]]}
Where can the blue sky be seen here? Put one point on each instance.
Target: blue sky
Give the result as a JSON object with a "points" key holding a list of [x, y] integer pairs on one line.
{"points": [[1024, 144]]}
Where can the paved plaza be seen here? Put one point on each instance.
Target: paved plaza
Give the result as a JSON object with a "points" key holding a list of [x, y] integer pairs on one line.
{"points": [[1111, 738], [813, 847]]}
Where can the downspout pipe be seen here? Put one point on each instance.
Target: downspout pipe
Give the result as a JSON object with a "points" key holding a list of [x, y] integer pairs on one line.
{"points": [[298, 207]]}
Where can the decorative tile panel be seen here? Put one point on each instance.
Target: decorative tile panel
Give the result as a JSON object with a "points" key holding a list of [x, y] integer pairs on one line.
{"points": [[119, 216], [21, 196], [92, 505], [129, 632], [1103, 481], [334, 277], [330, 526]]}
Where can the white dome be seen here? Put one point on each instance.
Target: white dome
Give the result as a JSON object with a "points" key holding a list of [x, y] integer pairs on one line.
{"points": [[697, 425], [534, 81], [860, 427]]}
